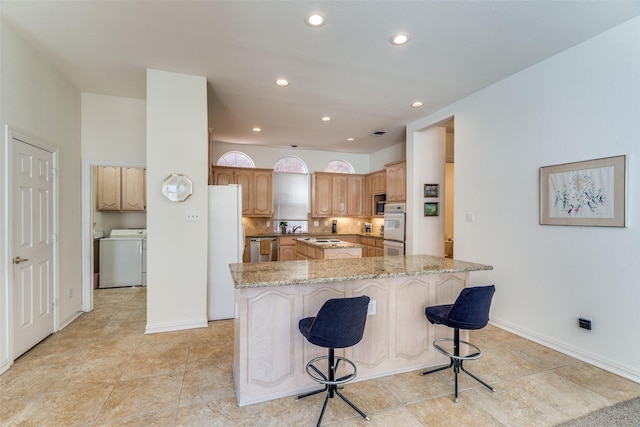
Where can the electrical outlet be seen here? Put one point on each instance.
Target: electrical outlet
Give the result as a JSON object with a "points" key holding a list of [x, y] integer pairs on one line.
{"points": [[70, 293], [371, 310], [584, 323], [470, 217], [193, 216], [268, 223], [326, 223], [316, 223]]}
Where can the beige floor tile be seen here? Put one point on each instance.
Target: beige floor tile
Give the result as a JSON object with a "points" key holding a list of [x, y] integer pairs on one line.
{"points": [[207, 385], [444, 411], [162, 418], [399, 416], [223, 413], [65, 407], [210, 355], [412, 387], [154, 363], [612, 386], [141, 396]]}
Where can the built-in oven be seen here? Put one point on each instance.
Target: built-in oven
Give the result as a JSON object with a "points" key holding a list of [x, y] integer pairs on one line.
{"points": [[392, 248], [394, 228]]}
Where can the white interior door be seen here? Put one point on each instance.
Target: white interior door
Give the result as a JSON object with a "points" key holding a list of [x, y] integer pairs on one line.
{"points": [[32, 245]]}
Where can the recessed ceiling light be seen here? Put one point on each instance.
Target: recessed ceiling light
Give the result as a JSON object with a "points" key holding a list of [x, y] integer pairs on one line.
{"points": [[256, 129], [326, 119], [399, 38], [351, 139], [417, 104], [282, 83], [315, 20]]}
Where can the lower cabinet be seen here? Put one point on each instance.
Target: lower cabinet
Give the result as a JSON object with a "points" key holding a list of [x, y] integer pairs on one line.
{"points": [[286, 249], [373, 246]]}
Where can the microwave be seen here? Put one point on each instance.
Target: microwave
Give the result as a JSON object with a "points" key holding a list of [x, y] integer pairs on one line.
{"points": [[380, 207]]}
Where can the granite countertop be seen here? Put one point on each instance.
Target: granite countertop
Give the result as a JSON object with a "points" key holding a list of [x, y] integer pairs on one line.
{"points": [[329, 235], [285, 273], [329, 243]]}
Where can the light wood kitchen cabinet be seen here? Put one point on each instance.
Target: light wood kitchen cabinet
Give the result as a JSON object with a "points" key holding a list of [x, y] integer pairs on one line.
{"points": [[375, 183], [336, 194], [256, 186], [373, 246], [396, 181], [108, 188], [286, 249], [134, 184], [120, 189]]}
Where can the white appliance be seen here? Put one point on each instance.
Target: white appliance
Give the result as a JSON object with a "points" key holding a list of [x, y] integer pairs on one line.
{"points": [[394, 228], [226, 246], [122, 258]]}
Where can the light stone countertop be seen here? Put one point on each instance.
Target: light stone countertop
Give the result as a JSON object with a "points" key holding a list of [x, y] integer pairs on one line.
{"points": [[286, 273], [320, 244]]}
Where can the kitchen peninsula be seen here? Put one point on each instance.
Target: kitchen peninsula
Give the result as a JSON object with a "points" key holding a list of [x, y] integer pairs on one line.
{"points": [[270, 354]]}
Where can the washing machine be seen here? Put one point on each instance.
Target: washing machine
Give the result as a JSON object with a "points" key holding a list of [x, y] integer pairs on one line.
{"points": [[122, 260]]}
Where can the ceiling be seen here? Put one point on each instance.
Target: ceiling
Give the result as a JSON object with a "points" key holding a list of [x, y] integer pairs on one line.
{"points": [[346, 69]]}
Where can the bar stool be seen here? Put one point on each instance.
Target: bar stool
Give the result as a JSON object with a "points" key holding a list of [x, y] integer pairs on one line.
{"points": [[469, 312], [339, 324]]}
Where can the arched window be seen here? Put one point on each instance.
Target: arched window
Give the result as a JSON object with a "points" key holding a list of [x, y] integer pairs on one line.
{"points": [[340, 166], [235, 158], [290, 164]]}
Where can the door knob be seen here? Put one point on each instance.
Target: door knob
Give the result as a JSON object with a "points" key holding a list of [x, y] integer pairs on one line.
{"points": [[18, 260]]}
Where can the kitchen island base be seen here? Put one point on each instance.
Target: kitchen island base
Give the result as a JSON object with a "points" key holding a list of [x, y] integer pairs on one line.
{"points": [[270, 354]]}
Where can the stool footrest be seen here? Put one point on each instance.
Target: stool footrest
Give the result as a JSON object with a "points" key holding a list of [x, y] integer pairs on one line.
{"points": [[319, 376], [472, 356]]}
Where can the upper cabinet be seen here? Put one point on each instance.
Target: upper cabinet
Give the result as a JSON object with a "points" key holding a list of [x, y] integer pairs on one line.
{"points": [[337, 194], [120, 189], [256, 188], [375, 183], [396, 181]]}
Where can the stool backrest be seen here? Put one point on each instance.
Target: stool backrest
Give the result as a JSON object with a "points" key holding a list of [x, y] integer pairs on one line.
{"points": [[340, 322], [471, 309]]}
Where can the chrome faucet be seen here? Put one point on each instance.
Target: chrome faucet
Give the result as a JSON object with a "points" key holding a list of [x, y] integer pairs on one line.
{"points": [[297, 227]]}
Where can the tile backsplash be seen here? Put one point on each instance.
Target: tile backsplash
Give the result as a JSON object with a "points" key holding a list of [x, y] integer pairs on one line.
{"points": [[257, 226]]}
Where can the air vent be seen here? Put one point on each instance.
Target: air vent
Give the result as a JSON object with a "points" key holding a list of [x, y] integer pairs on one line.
{"points": [[379, 133]]}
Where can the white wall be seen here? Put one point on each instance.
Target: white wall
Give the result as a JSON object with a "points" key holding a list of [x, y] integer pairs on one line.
{"points": [[38, 100], [581, 104], [378, 159], [114, 129], [425, 165], [177, 249]]}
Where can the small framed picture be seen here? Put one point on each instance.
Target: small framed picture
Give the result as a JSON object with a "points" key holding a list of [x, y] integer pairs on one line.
{"points": [[431, 209], [431, 190]]}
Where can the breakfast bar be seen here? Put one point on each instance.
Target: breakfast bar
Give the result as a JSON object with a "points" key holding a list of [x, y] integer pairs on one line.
{"points": [[270, 354]]}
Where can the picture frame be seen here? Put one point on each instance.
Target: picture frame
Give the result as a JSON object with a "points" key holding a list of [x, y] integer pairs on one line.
{"points": [[431, 190], [588, 193], [431, 209]]}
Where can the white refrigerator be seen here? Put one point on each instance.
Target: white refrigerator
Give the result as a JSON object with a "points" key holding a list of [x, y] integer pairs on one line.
{"points": [[226, 246]]}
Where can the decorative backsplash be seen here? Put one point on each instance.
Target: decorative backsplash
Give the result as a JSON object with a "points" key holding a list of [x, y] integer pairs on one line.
{"points": [[257, 226]]}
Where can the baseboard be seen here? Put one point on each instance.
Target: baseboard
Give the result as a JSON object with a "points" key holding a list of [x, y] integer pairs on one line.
{"points": [[579, 354], [67, 321], [169, 327]]}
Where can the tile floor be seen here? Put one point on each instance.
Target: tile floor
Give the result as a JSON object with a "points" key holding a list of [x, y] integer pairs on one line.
{"points": [[103, 371]]}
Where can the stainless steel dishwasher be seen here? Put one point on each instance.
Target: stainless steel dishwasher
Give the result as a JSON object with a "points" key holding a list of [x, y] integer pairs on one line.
{"points": [[263, 249]]}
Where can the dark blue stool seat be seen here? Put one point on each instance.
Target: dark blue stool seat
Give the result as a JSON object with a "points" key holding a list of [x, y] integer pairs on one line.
{"points": [[469, 312], [339, 324]]}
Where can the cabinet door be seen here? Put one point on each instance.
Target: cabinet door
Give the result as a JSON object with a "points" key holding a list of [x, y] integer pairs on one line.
{"points": [[368, 195], [262, 193], [107, 188], [382, 182], [133, 189], [355, 193], [244, 178], [401, 182], [340, 191], [223, 176], [323, 195], [286, 253], [391, 180]]}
